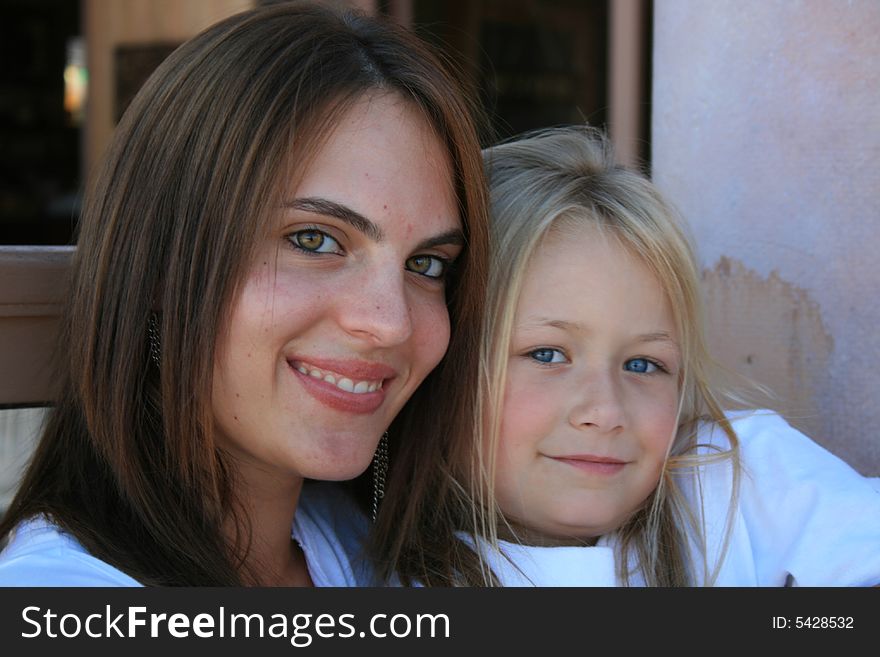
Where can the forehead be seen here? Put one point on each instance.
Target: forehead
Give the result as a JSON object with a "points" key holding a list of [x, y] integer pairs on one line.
{"points": [[381, 155], [381, 128], [584, 249], [585, 271]]}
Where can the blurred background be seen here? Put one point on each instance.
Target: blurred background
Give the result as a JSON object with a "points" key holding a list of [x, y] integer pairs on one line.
{"points": [[71, 67], [760, 119]]}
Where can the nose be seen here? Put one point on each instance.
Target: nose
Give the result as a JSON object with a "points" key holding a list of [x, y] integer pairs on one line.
{"points": [[597, 404], [378, 310]]}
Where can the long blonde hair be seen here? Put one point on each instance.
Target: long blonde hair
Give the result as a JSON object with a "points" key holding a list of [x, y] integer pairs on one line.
{"points": [[568, 175]]}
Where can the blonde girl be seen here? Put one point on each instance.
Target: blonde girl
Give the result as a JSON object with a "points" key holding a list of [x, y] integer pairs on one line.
{"points": [[604, 454]]}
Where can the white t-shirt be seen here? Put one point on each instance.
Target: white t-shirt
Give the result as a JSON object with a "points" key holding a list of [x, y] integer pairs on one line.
{"points": [[39, 554], [804, 518]]}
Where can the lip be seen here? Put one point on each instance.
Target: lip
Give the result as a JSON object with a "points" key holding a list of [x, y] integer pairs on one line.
{"points": [[353, 369], [356, 370], [591, 463]]}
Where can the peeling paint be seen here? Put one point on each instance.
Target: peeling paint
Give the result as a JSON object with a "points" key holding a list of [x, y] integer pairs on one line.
{"points": [[764, 135], [770, 331]]}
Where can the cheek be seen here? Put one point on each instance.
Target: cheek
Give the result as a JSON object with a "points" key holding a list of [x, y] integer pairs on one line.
{"points": [[431, 332], [238, 341], [526, 420], [528, 415], [659, 421], [261, 304], [264, 315], [277, 306]]}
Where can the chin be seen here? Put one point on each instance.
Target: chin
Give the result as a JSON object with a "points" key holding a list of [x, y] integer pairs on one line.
{"points": [[339, 456], [579, 526], [339, 470]]}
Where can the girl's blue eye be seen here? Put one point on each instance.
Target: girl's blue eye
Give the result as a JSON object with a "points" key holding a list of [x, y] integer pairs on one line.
{"points": [[640, 366], [547, 355], [429, 266], [313, 240]]}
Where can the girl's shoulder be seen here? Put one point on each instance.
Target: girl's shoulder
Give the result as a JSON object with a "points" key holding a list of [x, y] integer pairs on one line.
{"points": [[40, 554], [769, 445], [801, 514], [754, 428]]}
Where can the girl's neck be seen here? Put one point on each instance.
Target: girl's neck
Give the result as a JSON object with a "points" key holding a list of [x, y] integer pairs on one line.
{"points": [[513, 532]]}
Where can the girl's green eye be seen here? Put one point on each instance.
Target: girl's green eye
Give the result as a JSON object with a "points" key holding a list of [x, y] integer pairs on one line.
{"points": [[430, 266], [312, 240]]}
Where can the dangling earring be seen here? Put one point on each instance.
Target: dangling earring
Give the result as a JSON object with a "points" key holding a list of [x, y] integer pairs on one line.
{"points": [[153, 336], [380, 469]]}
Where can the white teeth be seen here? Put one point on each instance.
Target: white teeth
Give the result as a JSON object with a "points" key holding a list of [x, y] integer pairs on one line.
{"points": [[343, 383]]}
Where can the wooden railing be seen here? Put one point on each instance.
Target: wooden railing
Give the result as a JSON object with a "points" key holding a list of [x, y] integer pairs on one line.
{"points": [[32, 287]]}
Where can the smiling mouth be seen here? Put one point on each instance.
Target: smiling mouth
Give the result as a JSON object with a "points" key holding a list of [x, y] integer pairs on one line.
{"points": [[341, 381], [589, 458], [594, 465]]}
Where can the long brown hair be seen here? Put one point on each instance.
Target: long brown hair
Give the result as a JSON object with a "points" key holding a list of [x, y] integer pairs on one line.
{"points": [[128, 463]]}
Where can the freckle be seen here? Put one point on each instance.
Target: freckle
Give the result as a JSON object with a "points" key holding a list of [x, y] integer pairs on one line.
{"points": [[236, 417]]}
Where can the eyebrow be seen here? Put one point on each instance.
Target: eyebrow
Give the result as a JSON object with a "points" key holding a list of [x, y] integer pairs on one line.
{"points": [[454, 237], [659, 336], [330, 208], [355, 219], [656, 336]]}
